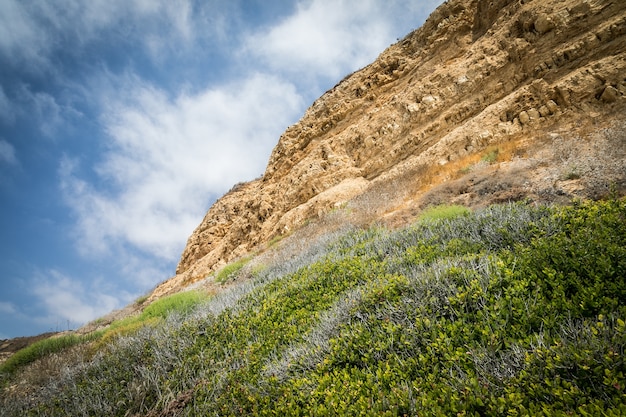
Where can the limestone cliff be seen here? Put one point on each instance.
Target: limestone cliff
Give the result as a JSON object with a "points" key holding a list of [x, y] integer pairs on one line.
{"points": [[488, 101]]}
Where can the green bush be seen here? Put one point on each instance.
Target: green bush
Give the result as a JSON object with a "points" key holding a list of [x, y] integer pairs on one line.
{"points": [[511, 310], [444, 211], [37, 350], [181, 302], [491, 156], [231, 270]]}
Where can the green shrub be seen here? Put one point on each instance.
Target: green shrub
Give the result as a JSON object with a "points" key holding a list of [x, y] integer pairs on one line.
{"points": [[38, 350], [141, 299], [122, 328], [511, 310], [491, 156], [181, 302], [444, 211], [231, 270]]}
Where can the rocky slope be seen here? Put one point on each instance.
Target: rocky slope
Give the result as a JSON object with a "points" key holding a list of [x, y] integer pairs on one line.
{"points": [[489, 101]]}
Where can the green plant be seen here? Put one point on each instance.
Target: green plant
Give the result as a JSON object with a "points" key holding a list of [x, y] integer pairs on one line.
{"points": [[513, 309], [141, 299], [182, 302], [231, 270], [38, 350], [443, 211], [121, 328], [275, 240], [491, 156], [465, 170]]}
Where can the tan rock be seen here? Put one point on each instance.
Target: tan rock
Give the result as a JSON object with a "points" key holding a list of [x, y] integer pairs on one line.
{"points": [[610, 94], [544, 111], [524, 118], [404, 123], [552, 106], [533, 114], [543, 23]]}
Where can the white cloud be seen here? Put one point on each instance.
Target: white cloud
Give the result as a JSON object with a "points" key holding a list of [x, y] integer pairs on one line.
{"points": [[7, 114], [69, 299], [333, 37], [7, 308], [145, 272], [46, 110], [7, 153], [167, 158], [18, 30], [324, 37], [30, 31]]}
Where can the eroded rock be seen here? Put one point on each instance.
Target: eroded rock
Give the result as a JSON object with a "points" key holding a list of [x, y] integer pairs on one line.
{"points": [[471, 77]]}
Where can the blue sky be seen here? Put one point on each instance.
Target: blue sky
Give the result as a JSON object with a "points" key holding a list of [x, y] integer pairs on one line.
{"points": [[122, 121]]}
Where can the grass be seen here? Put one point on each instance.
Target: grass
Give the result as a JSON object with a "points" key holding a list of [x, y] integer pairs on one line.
{"points": [[444, 211], [491, 156], [38, 350], [513, 309], [275, 240], [141, 299], [231, 270], [180, 303], [152, 315]]}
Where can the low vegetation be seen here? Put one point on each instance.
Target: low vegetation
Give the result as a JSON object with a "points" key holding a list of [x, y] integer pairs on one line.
{"points": [[231, 270], [491, 156], [159, 310], [444, 211], [153, 314], [38, 350], [511, 310]]}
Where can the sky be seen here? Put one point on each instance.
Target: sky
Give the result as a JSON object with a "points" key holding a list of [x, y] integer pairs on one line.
{"points": [[122, 121]]}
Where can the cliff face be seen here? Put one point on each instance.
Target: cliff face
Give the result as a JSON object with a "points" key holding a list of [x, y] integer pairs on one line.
{"points": [[488, 101]]}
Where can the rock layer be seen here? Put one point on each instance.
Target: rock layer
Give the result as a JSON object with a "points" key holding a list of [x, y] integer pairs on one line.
{"points": [[478, 76]]}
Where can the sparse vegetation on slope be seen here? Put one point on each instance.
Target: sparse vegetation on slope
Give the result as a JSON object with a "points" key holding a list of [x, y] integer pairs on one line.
{"points": [[38, 350], [151, 315], [513, 309]]}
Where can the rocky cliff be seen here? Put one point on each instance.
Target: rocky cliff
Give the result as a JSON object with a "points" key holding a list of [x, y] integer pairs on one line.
{"points": [[489, 101]]}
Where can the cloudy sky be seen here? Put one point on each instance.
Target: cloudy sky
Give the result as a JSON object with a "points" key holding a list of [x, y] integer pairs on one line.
{"points": [[122, 121]]}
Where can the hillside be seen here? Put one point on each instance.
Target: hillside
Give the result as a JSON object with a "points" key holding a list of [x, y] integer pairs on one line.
{"points": [[442, 233], [513, 309], [535, 89]]}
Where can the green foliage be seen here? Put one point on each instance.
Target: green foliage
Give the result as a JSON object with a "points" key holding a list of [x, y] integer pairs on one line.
{"points": [[275, 240], [38, 350], [181, 302], [142, 299], [444, 211], [511, 310], [231, 270], [121, 328], [491, 156]]}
